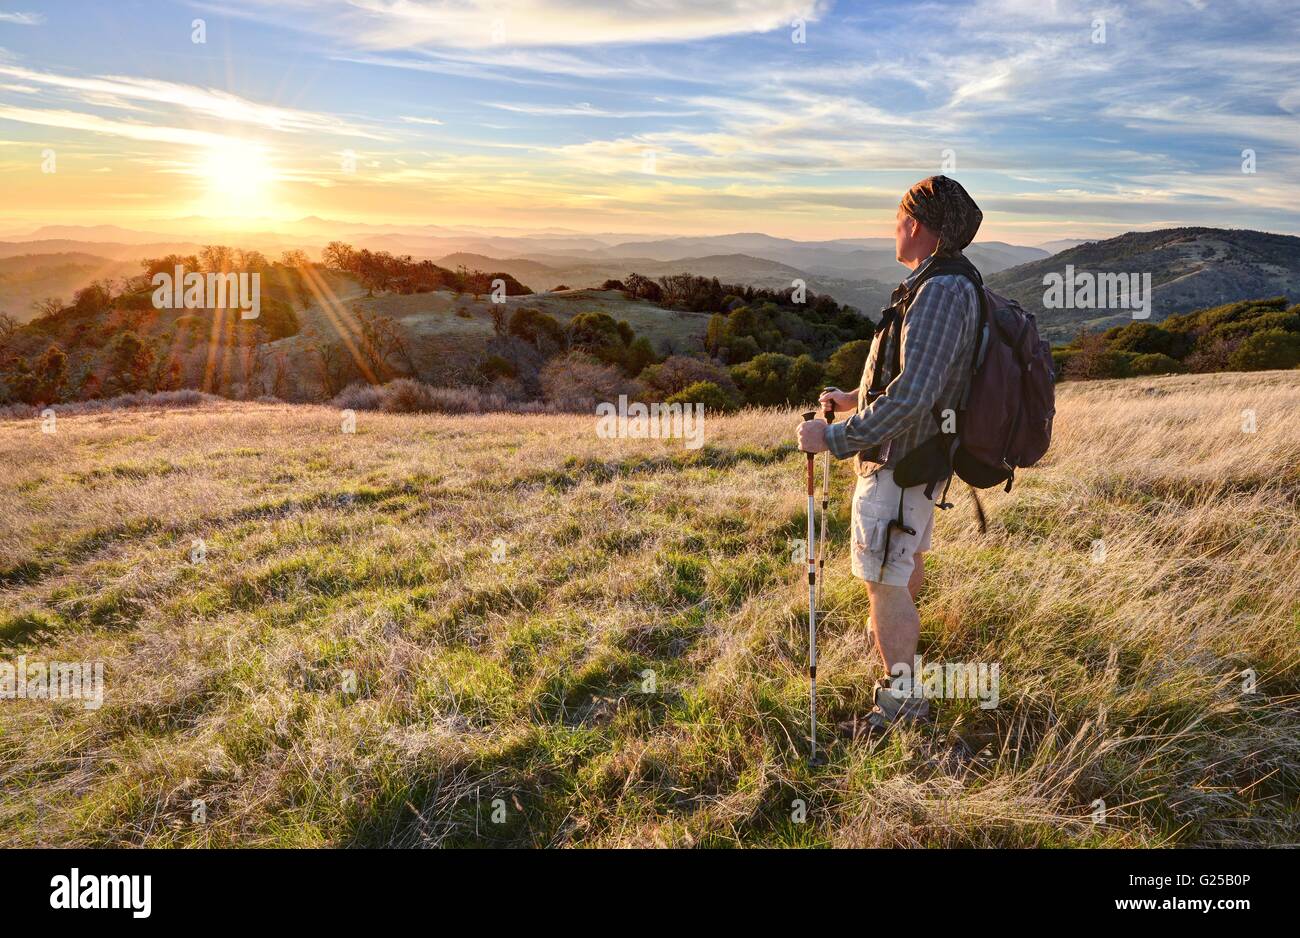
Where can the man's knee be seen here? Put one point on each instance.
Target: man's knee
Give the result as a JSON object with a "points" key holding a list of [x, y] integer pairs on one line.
{"points": [[887, 595]]}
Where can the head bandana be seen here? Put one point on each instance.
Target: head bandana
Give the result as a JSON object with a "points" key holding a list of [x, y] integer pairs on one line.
{"points": [[943, 206]]}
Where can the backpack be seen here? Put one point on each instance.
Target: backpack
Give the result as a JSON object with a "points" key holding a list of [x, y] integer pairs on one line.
{"points": [[1004, 421]]}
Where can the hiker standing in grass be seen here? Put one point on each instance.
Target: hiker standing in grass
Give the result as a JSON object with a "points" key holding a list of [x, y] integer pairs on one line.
{"points": [[909, 388]]}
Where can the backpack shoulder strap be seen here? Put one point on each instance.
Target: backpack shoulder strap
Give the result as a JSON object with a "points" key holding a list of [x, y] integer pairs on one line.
{"points": [[901, 301]]}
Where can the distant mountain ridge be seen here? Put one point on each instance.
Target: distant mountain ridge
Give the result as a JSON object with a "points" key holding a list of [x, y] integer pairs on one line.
{"points": [[1190, 268], [545, 271]]}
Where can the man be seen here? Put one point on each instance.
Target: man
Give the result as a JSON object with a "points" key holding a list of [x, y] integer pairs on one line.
{"points": [[936, 220]]}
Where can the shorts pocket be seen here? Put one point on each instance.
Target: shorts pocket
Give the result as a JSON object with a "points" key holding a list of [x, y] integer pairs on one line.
{"points": [[877, 532]]}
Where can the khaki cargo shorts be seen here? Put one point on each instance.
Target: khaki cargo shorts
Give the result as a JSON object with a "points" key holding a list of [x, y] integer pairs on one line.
{"points": [[875, 504]]}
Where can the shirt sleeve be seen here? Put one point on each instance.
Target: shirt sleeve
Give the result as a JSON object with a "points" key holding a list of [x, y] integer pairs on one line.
{"points": [[932, 332]]}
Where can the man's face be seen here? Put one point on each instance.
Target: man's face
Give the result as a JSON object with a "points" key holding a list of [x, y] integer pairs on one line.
{"points": [[904, 232]]}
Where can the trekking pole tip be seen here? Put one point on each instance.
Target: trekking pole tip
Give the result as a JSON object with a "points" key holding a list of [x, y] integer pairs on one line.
{"points": [[810, 415]]}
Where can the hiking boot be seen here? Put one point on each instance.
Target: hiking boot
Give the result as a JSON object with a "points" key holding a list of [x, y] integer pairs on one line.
{"points": [[890, 711]]}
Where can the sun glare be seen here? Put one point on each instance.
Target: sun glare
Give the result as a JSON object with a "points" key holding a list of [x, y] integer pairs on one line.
{"points": [[239, 180]]}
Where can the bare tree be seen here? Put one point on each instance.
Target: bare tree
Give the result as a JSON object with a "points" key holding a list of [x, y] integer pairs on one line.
{"points": [[383, 341], [8, 326], [48, 306], [333, 366]]}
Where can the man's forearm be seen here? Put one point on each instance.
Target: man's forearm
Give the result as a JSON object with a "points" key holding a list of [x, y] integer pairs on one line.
{"points": [[887, 416]]}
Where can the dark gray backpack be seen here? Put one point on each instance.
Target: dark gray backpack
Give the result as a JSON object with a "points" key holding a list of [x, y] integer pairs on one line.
{"points": [[1005, 421]]}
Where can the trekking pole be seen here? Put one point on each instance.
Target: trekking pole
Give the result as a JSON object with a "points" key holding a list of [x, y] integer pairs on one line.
{"points": [[828, 412], [813, 759]]}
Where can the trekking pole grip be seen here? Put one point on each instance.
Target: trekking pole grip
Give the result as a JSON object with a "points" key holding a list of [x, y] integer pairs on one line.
{"points": [[810, 415], [828, 409]]}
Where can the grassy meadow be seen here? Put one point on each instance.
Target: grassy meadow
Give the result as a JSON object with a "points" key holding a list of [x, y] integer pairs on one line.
{"points": [[491, 630]]}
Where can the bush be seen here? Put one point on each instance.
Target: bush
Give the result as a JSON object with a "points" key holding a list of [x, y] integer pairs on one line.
{"points": [[773, 380], [613, 285], [714, 398], [598, 334], [1141, 338], [844, 368], [494, 366], [1213, 356], [1155, 364], [404, 396], [536, 327], [1265, 351], [737, 349], [161, 399], [277, 319], [359, 397], [679, 372], [1100, 364], [577, 381], [1061, 361], [639, 355]]}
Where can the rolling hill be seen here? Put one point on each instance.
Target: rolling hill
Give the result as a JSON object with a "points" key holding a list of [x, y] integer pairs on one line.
{"points": [[545, 271], [28, 278], [1191, 268]]}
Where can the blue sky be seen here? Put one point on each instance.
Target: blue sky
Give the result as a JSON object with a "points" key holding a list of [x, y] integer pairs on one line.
{"points": [[673, 117]]}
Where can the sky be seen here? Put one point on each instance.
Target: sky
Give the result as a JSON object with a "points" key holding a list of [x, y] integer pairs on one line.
{"points": [[804, 119]]}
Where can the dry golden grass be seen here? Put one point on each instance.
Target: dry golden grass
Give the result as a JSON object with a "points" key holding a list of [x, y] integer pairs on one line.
{"points": [[516, 688]]}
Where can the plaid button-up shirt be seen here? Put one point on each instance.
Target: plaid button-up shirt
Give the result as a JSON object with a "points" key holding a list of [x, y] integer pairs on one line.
{"points": [[938, 336]]}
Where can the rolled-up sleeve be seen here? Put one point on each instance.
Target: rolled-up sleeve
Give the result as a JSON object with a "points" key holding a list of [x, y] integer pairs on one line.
{"points": [[932, 332]]}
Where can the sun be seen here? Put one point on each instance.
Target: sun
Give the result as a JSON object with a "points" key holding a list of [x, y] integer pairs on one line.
{"points": [[239, 179]]}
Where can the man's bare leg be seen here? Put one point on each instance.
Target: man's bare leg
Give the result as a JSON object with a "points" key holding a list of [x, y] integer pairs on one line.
{"points": [[914, 584], [896, 625], [917, 579]]}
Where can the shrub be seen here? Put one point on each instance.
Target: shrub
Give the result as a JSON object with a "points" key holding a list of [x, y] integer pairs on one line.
{"points": [[1212, 356], [678, 372], [844, 368], [598, 334], [613, 285], [714, 398], [639, 355], [1264, 351], [532, 325], [358, 397], [1061, 361], [1155, 364], [494, 366], [577, 381], [737, 349], [139, 399], [1141, 338], [405, 396], [92, 299], [1101, 364], [773, 380]]}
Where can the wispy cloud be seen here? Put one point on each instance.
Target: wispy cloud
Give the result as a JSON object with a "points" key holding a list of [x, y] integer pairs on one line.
{"points": [[93, 123], [22, 19], [474, 24], [581, 109], [114, 90]]}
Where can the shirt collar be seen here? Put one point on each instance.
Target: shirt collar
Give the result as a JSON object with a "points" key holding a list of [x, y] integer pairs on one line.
{"points": [[920, 269]]}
